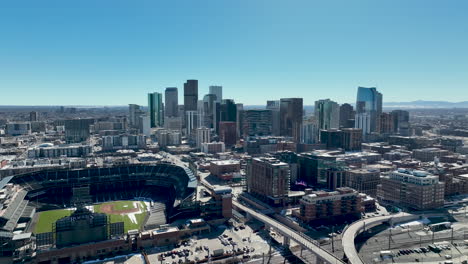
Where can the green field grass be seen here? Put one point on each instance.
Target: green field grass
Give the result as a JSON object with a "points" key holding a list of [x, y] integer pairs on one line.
{"points": [[47, 218], [124, 205]]}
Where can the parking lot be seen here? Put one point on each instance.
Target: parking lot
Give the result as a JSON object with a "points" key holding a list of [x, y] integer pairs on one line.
{"points": [[241, 242], [417, 245], [442, 252]]}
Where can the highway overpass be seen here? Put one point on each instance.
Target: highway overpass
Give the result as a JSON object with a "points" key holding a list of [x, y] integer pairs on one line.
{"points": [[323, 256], [360, 226]]}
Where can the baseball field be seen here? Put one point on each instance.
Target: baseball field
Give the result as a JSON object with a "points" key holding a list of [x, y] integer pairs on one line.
{"points": [[132, 213]]}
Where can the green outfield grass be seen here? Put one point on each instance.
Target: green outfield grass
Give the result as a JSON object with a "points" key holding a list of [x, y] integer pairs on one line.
{"points": [[124, 205], [48, 218]]}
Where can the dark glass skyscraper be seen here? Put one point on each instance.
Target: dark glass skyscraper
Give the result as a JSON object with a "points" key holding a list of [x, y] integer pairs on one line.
{"points": [[171, 102], [291, 112], [190, 95], [346, 115]]}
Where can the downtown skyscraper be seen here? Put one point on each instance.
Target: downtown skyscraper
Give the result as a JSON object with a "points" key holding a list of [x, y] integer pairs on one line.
{"points": [[327, 114], [218, 91], [291, 112], [190, 95], [155, 109], [368, 109], [171, 103]]}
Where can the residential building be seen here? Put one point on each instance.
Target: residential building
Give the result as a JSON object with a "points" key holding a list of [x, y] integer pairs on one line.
{"points": [[310, 131], [123, 141], [48, 150], [401, 124], [77, 130], [386, 123], [429, 154], [268, 179], [256, 123], [191, 122], [414, 189], [213, 147], [18, 128], [363, 180], [227, 133], [320, 205], [33, 116], [134, 113], [203, 135], [224, 169]]}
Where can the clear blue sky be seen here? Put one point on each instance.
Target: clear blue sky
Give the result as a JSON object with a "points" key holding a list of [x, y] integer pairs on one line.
{"points": [[110, 52]]}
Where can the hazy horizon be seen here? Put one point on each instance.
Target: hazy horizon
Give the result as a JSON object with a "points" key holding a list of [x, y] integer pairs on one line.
{"points": [[115, 52]]}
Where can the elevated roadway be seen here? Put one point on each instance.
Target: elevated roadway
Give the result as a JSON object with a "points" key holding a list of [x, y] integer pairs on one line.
{"points": [[360, 226], [323, 256]]}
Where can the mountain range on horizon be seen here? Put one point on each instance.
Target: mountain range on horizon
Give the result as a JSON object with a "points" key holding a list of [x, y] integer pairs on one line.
{"points": [[408, 105]]}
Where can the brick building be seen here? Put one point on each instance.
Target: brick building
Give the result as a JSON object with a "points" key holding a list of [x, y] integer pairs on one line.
{"points": [[414, 189], [268, 179], [363, 180], [321, 205]]}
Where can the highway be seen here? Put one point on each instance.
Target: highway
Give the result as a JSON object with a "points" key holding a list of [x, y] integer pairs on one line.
{"points": [[300, 238], [354, 229]]}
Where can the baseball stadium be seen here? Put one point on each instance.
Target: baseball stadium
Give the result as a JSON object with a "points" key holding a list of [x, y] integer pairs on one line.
{"points": [[66, 215], [139, 196]]}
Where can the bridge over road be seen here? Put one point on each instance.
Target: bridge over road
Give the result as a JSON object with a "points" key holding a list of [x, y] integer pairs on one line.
{"points": [[360, 226], [322, 255]]}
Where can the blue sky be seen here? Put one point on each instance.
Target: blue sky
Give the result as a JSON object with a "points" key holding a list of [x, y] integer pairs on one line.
{"points": [[111, 52]]}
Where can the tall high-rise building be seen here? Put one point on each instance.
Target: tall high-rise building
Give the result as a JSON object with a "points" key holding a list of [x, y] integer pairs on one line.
{"points": [[171, 100], [239, 121], [349, 139], [144, 124], [203, 136], [218, 91], [190, 95], [34, 116], [327, 114], [268, 179], [291, 113], [347, 116], [256, 122], [191, 122], [155, 109], [208, 110], [401, 122], [309, 134], [274, 107], [227, 133], [77, 130], [386, 123], [134, 113], [228, 110], [368, 109]]}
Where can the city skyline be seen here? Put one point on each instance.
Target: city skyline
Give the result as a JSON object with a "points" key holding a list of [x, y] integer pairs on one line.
{"points": [[60, 53]]}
